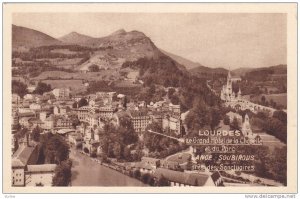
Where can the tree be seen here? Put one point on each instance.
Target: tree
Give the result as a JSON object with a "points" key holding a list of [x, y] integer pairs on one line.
{"points": [[226, 120], [261, 115], [279, 164], [75, 120], [137, 174], [235, 124], [215, 118], [171, 91], [75, 105], [198, 116], [126, 154], [94, 68], [126, 131], [19, 88], [56, 150], [263, 100], [62, 174], [145, 178], [42, 88], [125, 102], [274, 126], [36, 132], [82, 102], [280, 115], [117, 150]]}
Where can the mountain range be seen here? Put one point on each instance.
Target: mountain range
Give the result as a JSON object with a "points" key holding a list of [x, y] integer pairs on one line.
{"points": [[126, 46]]}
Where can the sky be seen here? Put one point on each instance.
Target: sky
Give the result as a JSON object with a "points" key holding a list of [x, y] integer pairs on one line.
{"points": [[230, 40]]}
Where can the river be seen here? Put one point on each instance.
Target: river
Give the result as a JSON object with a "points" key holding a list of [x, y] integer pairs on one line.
{"points": [[86, 172]]}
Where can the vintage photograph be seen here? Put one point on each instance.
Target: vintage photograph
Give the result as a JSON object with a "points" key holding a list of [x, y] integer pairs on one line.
{"points": [[116, 99]]}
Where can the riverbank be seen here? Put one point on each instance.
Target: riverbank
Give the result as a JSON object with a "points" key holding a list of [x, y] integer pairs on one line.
{"points": [[88, 172]]}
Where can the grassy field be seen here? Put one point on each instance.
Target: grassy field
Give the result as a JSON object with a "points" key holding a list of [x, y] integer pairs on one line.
{"points": [[278, 98], [75, 85], [90, 76]]}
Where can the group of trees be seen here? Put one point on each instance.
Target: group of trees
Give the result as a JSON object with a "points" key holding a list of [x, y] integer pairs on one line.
{"points": [[268, 163], [55, 150], [42, 88], [82, 102], [94, 68], [116, 141], [36, 133], [202, 115], [159, 146], [35, 67], [151, 94], [63, 174], [277, 125], [161, 70], [19, 88], [46, 53]]}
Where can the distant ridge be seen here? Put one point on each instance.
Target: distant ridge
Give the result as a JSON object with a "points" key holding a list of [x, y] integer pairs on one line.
{"points": [[27, 37], [75, 38], [277, 69], [187, 63], [203, 71]]}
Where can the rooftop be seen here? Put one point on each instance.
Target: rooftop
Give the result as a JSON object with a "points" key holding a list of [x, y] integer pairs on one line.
{"points": [[41, 168], [22, 155], [193, 179]]}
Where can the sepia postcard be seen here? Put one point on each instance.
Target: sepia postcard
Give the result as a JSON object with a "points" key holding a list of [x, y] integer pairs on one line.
{"points": [[150, 98]]}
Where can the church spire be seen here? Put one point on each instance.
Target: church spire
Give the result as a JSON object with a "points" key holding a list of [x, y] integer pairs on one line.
{"points": [[229, 75]]}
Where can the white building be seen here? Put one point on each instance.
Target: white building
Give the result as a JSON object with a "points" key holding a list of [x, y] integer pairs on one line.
{"points": [[233, 115], [35, 107], [61, 93], [40, 175], [246, 128], [227, 94]]}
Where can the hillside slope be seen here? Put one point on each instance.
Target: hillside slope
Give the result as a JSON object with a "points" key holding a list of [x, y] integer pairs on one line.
{"points": [[26, 37], [75, 38], [181, 60]]}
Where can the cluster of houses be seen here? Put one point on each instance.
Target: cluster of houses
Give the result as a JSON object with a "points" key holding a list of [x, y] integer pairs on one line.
{"points": [[82, 125], [59, 112], [176, 174]]}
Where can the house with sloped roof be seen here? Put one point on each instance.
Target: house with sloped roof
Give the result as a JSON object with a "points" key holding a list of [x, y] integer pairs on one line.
{"points": [[169, 164], [21, 158], [147, 165], [177, 178]]}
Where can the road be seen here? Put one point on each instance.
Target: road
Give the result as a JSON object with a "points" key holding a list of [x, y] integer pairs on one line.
{"points": [[86, 172]]}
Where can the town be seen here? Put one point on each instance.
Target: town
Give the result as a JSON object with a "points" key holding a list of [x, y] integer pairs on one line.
{"points": [[139, 140]]}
